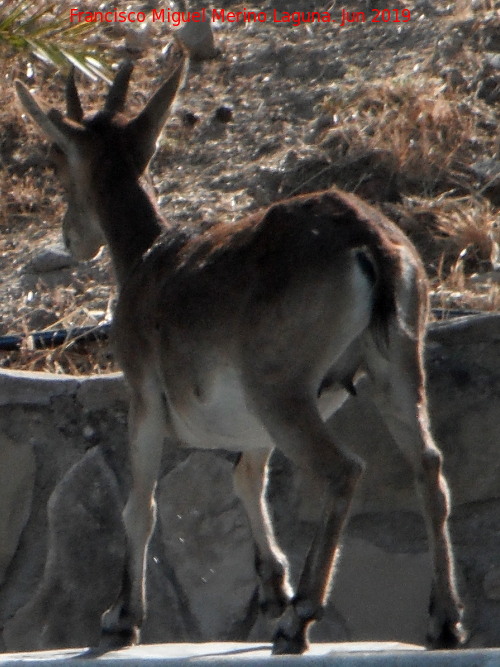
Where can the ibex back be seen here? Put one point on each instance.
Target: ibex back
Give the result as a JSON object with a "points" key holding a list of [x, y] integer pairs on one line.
{"points": [[249, 337]]}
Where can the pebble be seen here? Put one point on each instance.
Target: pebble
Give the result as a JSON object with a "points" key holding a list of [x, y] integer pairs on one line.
{"points": [[52, 258]]}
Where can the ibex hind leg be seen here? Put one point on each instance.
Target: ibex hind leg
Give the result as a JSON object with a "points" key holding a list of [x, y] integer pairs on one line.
{"points": [[121, 624], [401, 399], [250, 483], [298, 430]]}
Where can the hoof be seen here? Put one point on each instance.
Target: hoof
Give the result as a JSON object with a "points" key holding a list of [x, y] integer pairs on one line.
{"points": [[290, 636], [452, 635], [118, 630], [109, 641], [446, 631], [113, 640], [446, 628], [284, 645]]}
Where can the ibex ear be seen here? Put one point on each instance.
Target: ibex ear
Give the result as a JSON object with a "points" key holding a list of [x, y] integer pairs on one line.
{"points": [[52, 124], [143, 131]]}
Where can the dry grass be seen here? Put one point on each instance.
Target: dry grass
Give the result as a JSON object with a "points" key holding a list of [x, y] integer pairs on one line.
{"points": [[73, 358], [471, 231], [427, 128]]}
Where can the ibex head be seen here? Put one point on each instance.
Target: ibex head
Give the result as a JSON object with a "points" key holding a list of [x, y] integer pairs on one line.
{"points": [[88, 152]]}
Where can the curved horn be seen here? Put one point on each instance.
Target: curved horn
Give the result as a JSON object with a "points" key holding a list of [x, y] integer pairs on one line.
{"points": [[73, 105], [115, 101]]}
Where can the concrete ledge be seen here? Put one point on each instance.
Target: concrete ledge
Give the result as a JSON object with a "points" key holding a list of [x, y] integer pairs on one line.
{"points": [[34, 388], [382, 654]]}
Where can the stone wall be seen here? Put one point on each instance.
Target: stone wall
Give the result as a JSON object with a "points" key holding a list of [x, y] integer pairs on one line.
{"points": [[63, 480]]}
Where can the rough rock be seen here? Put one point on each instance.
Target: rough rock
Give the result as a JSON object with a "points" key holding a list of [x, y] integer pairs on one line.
{"points": [[40, 318], [198, 39], [50, 259], [17, 477], [86, 543], [206, 532]]}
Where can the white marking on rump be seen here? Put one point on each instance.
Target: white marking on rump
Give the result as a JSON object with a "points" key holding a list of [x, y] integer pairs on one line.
{"points": [[358, 316], [359, 293]]}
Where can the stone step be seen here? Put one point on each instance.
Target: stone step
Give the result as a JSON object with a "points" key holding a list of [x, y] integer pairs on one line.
{"points": [[351, 654]]}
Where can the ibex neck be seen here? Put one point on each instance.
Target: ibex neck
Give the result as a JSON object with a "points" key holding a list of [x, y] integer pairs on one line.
{"points": [[130, 224]]}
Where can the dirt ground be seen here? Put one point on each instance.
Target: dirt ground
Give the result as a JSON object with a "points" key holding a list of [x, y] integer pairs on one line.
{"points": [[404, 112]]}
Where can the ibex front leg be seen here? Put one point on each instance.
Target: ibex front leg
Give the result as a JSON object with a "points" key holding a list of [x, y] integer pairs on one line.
{"points": [[147, 425], [299, 432]]}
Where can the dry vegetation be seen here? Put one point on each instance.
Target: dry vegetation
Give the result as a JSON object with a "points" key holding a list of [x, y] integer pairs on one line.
{"points": [[404, 114]]}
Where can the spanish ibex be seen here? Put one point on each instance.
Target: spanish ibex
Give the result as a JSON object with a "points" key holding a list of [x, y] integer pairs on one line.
{"points": [[247, 337]]}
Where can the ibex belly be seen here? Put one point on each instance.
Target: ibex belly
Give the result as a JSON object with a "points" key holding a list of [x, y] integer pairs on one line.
{"points": [[210, 392], [216, 416]]}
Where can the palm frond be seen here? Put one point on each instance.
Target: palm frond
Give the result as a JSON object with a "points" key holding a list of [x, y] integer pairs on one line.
{"points": [[45, 30]]}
